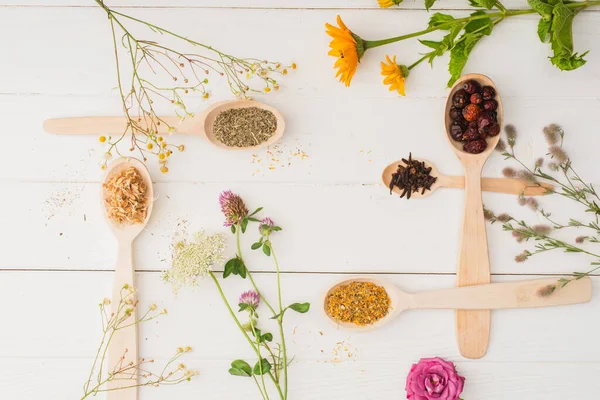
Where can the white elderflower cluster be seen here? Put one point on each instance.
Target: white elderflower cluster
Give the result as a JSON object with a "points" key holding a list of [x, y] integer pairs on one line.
{"points": [[193, 258]]}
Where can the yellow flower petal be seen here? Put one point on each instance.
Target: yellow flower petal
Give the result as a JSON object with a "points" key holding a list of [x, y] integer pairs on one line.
{"points": [[393, 75], [343, 46]]}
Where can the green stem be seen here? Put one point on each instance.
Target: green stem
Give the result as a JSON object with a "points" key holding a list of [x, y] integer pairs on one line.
{"points": [[419, 61], [280, 323], [238, 229], [241, 328]]}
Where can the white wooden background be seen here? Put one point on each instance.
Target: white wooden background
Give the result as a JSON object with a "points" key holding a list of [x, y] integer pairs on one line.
{"points": [[57, 255]]}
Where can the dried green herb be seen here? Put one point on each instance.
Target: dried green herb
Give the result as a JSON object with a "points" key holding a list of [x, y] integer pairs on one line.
{"points": [[244, 127]]}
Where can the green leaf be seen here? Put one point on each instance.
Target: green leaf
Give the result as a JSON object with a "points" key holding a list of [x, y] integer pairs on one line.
{"points": [[489, 4], [562, 39], [244, 225], [276, 229], [256, 211], [243, 307], [256, 246], [240, 368], [544, 29], [541, 7], [276, 316], [229, 268], [233, 229], [240, 267], [253, 219], [431, 44], [262, 367], [438, 19], [267, 249], [459, 56], [300, 307], [429, 3], [267, 337], [483, 25]]}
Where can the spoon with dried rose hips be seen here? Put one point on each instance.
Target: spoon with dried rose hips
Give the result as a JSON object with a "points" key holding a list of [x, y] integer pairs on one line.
{"points": [[365, 303], [470, 98], [423, 179]]}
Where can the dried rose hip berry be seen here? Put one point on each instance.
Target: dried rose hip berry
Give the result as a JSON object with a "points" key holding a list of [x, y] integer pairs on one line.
{"points": [[471, 112], [493, 130], [471, 134], [476, 98], [486, 118], [460, 99], [473, 124], [475, 147], [471, 86], [456, 131], [488, 92], [490, 105], [456, 114]]}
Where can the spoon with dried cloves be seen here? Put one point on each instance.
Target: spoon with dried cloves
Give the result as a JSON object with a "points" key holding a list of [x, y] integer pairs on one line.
{"points": [[422, 178]]}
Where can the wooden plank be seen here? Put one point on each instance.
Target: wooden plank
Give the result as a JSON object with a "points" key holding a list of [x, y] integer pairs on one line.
{"points": [[327, 228], [288, 35], [67, 325], [291, 4], [32, 379]]}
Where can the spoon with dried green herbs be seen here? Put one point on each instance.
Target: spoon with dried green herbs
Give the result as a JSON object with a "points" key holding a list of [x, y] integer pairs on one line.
{"points": [[364, 303], [422, 178], [230, 125], [127, 197]]}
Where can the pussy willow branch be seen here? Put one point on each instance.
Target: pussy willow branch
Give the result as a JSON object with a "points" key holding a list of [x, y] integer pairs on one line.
{"points": [[150, 59]]}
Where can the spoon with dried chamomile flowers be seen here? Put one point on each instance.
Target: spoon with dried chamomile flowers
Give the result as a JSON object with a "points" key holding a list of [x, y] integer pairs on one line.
{"points": [[127, 197], [230, 125], [365, 304]]}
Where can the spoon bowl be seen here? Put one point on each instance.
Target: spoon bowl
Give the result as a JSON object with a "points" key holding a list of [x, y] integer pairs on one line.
{"points": [[128, 231], [386, 177], [517, 294], [492, 141], [208, 117]]}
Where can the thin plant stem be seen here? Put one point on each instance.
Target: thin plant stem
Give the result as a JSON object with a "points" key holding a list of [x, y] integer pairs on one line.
{"points": [[280, 323]]}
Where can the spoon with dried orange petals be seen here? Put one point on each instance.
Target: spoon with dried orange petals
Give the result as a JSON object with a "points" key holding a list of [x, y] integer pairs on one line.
{"points": [[346, 300], [127, 197]]}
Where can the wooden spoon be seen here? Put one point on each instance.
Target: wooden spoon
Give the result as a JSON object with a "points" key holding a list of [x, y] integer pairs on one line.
{"points": [[200, 125], [520, 294], [124, 342], [473, 327], [499, 185]]}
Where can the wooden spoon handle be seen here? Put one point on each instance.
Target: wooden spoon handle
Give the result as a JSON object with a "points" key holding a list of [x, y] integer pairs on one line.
{"points": [[522, 294], [473, 327], [124, 342], [502, 185], [98, 125]]}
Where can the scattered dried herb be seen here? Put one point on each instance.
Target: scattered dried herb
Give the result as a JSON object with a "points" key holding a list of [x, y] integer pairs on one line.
{"points": [[412, 176], [361, 303], [244, 127], [125, 197]]}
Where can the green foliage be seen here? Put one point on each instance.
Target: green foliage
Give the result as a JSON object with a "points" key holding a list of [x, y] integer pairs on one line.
{"points": [[473, 31], [556, 27], [298, 307], [262, 367], [240, 368], [235, 266], [429, 4], [439, 19], [489, 4]]}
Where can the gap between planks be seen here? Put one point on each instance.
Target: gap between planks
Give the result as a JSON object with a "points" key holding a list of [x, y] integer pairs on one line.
{"points": [[153, 271], [184, 7]]}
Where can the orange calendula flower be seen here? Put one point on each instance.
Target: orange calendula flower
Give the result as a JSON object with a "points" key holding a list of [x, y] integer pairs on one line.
{"points": [[395, 74], [388, 3], [347, 47]]}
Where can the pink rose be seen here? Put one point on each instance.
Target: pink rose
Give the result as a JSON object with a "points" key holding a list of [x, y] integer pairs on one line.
{"points": [[433, 378]]}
